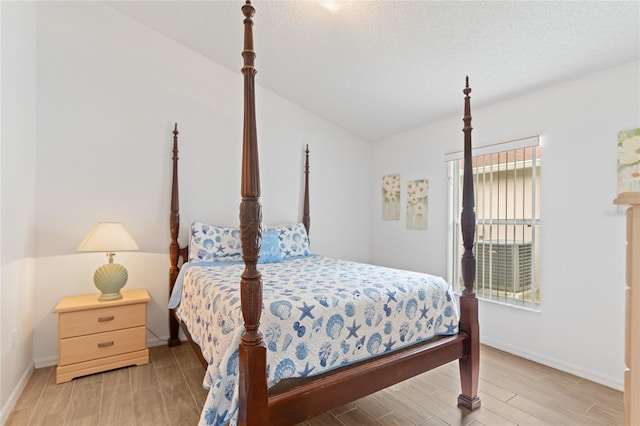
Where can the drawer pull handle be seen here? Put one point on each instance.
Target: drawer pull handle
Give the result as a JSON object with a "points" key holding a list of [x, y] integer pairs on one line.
{"points": [[105, 319], [105, 344]]}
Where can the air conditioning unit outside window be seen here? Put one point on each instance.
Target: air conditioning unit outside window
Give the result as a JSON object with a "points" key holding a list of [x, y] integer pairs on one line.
{"points": [[503, 265]]}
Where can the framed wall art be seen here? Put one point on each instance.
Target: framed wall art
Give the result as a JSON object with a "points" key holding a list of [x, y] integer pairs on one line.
{"points": [[391, 197], [417, 201], [629, 161]]}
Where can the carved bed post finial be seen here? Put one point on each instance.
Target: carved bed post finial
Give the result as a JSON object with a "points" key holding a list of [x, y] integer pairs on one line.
{"points": [[174, 247], [306, 218], [253, 395]]}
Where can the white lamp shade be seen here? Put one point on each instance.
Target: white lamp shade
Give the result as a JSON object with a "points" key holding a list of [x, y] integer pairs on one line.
{"points": [[108, 237]]}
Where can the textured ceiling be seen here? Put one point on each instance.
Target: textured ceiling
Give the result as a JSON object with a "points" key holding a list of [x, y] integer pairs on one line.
{"points": [[378, 68]]}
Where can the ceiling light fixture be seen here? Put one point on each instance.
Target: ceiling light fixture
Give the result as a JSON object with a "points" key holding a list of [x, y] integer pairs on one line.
{"points": [[333, 6]]}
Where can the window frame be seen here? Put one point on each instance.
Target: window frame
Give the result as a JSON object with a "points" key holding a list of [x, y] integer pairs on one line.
{"points": [[454, 254]]}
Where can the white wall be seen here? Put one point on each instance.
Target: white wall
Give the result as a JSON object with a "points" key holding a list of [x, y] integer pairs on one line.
{"points": [[109, 91], [17, 198], [579, 328]]}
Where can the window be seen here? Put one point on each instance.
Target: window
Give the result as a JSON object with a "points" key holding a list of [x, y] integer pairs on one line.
{"points": [[506, 179]]}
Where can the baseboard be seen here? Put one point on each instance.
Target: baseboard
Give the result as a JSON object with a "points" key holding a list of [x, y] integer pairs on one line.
{"points": [[616, 383], [11, 402], [157, 341], [46, 361]]}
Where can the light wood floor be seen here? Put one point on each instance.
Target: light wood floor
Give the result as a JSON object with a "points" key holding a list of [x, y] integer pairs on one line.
{"points": [[168, 391]]}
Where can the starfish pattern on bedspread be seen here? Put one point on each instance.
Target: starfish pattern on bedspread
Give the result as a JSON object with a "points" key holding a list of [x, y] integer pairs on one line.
{"points": [[306, 311], [353, 330]]}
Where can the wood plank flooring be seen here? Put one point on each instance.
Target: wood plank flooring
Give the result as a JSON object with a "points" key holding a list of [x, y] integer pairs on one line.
{"points": [[168, 391]]}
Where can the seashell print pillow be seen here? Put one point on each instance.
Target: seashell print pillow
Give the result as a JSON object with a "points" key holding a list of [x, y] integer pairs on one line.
{"points": [[293, 240], [214, 243]]}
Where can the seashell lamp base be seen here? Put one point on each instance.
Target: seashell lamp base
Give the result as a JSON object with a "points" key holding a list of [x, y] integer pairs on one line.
{"points": [[110, 296], [109, 279]]}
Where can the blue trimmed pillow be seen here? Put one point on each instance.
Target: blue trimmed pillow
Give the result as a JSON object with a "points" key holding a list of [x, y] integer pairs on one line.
{"points": [[270, 247], [293, 240], [214, 243]]}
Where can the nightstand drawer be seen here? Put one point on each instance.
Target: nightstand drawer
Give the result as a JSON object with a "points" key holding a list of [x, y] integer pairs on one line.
{"points": [[93, 346], [91, 321]]}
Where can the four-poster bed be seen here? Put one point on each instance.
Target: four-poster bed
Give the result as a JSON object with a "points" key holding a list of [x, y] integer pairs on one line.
{"points": [[369, 344]]}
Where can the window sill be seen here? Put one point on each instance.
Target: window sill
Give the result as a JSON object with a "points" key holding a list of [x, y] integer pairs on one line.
{"points": [[525, 306]]}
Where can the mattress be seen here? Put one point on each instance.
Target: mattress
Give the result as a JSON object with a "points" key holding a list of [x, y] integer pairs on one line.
{"points": [[318, 314]]}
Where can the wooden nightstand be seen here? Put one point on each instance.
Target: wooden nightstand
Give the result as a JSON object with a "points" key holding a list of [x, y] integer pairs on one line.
{"points": [[98, 335]]}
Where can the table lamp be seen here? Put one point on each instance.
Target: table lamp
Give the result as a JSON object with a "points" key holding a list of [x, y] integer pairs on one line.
{"points": [[109, 237]]}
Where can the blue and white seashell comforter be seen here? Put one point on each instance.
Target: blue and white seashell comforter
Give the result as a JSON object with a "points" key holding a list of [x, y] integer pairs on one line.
{"points": [[318, 314]]}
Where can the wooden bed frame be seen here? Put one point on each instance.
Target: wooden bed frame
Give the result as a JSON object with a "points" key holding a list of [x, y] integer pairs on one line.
{"points": [[298, 399]]}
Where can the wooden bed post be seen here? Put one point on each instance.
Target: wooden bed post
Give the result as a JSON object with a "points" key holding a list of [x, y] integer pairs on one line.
{"points": [[174, 247], [253, 405], [470, 363], [306, 218]]}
